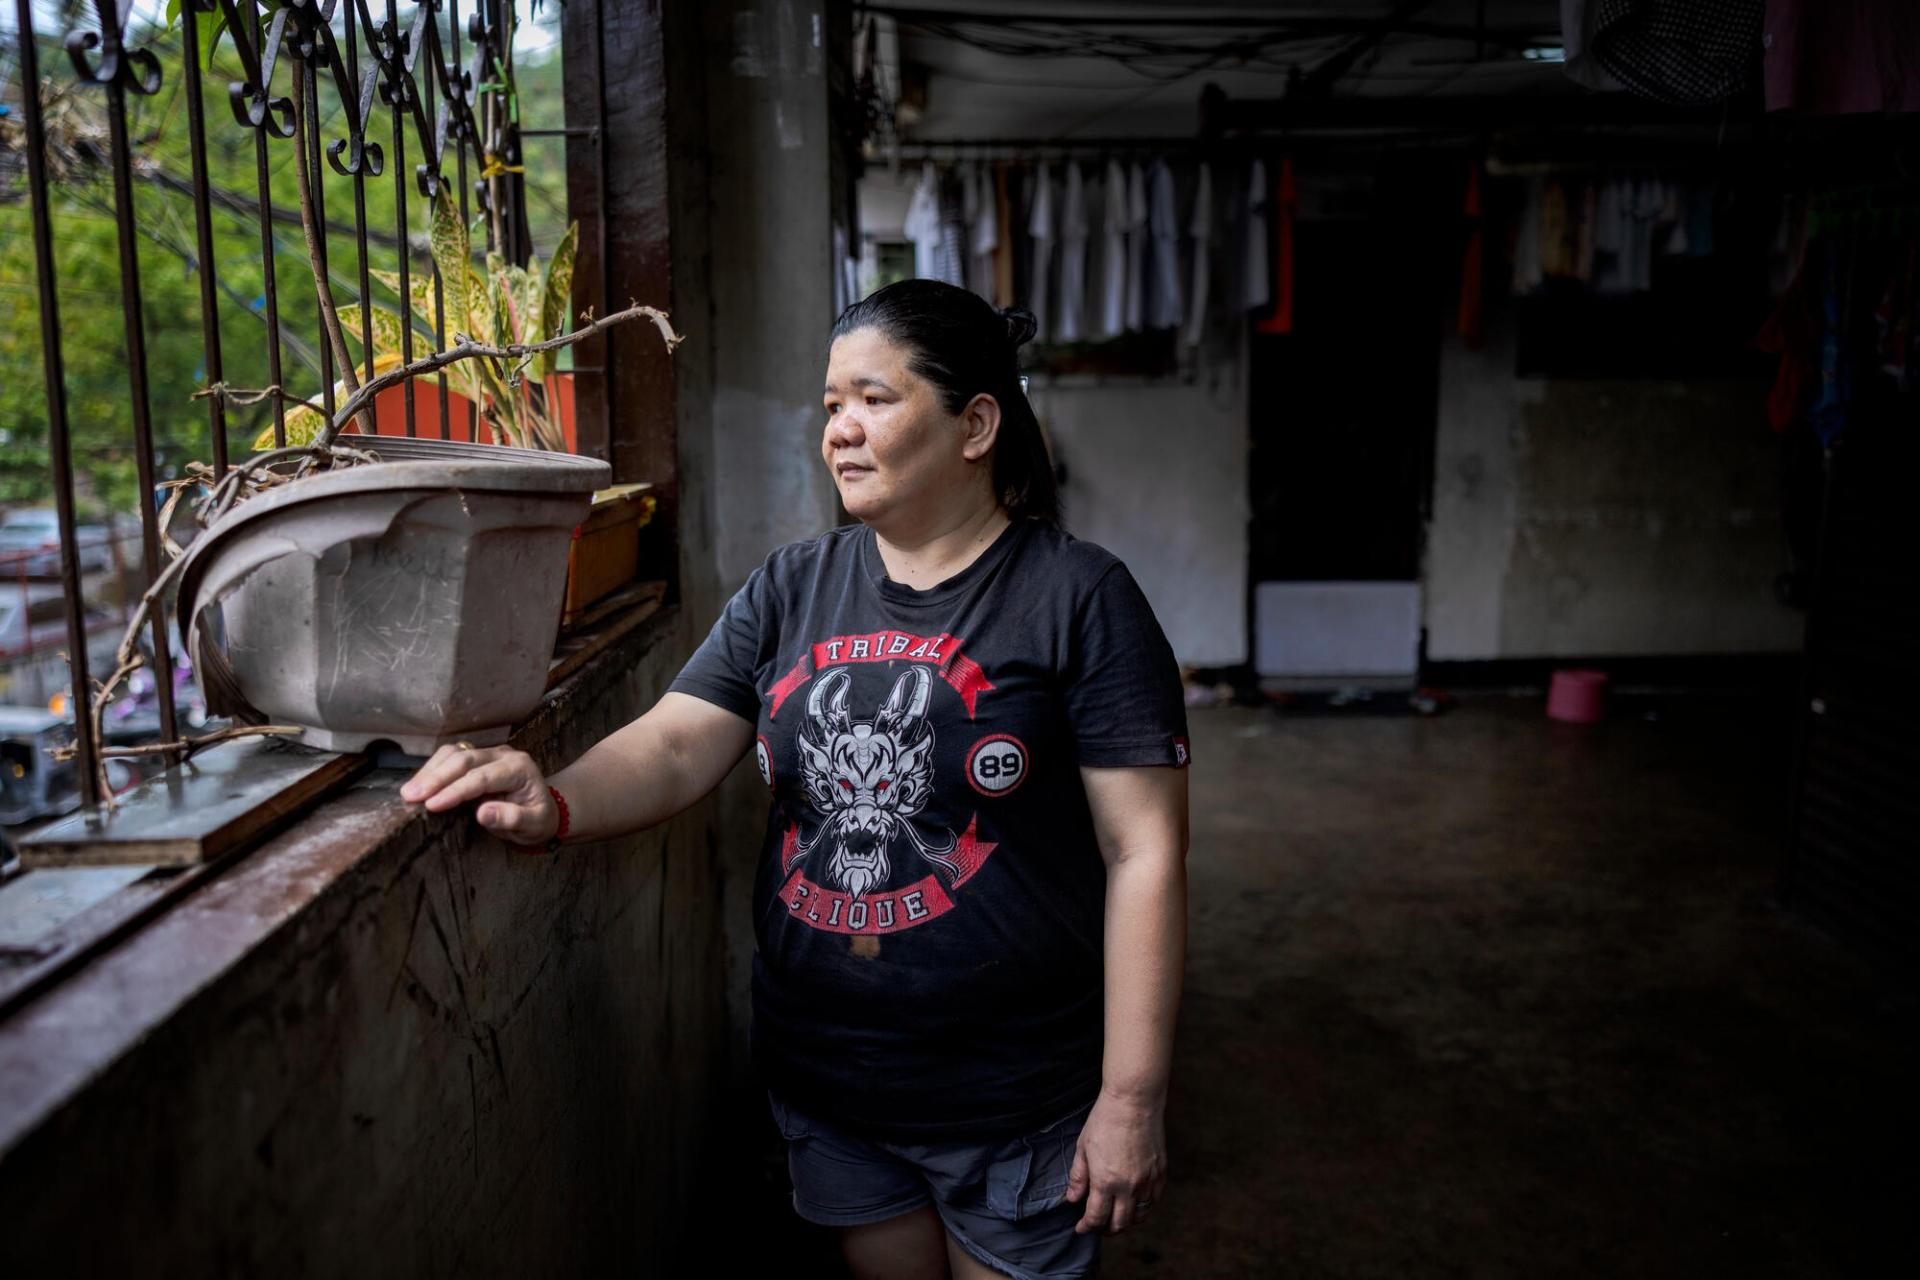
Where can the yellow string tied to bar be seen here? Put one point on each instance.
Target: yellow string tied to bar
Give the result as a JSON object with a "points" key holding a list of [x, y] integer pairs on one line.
{"points": [[496, 166]]}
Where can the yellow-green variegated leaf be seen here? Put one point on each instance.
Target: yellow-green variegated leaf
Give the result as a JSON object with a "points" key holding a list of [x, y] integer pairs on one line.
{"points": [[556, 296], [525, 290], [303, 427], [386, 329], [447, 236]]}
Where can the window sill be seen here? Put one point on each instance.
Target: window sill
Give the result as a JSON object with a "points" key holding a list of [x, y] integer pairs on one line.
{"points": [[126, 966]]}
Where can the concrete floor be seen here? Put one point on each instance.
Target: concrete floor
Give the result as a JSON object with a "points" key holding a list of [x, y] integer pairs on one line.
{"points": [[1488, 996]]}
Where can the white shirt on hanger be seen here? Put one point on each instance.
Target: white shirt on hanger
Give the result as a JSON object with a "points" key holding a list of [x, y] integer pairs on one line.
{"points": [[1200, 227], [1113, 256], [1073, 255], [923, 223], [1040, 227], [1164, 310], [1256, 281]]}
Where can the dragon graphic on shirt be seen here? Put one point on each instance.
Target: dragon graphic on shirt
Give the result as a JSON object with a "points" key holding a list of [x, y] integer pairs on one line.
{"points": [[868, 778]]}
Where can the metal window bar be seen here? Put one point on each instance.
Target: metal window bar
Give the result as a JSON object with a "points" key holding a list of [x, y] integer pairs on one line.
{"points": [[357, 65]]}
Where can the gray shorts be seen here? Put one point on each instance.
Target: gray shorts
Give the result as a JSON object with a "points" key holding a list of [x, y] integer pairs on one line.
{"points": [[1004, 1201]]}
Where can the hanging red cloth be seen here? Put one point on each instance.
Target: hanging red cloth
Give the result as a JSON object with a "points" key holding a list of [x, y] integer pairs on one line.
{"points": [[1470, 323], [1280, 320]]}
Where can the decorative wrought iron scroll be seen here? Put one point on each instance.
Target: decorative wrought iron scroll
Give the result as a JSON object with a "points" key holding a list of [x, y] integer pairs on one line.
{"points": [[319, 74]]}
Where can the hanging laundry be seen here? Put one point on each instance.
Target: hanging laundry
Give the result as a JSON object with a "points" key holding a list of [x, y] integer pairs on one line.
{"points": [[1582, 212], [1893, 318], [1643, 206], [1834, 404], [1019, 214], [1113, 254], [1557, 237], [1527, 275], [1827, 59], [1003, 243], [1670, 224], [1071, 304], [1200, 227], [1040, 226], [1469, 322], [1164, 309], [1700, 220], [952, 257], [1792, 332], [923, 223], [983, 229], [1256, 286], [1611, 230], [1284, 204], [1788, 247], [1138, 236]]}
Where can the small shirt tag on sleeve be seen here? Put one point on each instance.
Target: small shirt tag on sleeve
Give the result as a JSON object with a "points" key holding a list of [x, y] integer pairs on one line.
{"points": [[1181, 755]]}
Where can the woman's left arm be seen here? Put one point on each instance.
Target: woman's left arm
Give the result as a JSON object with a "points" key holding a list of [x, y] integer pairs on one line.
{"points": [[1140, 820]]}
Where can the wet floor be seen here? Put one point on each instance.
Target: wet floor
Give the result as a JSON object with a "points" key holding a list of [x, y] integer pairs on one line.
{"points": [[1485, 995], [1488, 996]]}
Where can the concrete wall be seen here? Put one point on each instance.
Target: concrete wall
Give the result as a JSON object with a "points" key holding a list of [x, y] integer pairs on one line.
{"points": [[1601, 517], [1157, 474], [753, 218], [769, 218], [382, 1045]]}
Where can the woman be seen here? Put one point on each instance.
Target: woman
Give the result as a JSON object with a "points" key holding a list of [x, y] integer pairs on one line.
{"points": [[974, 735]]}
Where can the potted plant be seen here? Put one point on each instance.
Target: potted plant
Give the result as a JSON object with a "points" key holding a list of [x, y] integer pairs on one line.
{"points": [[528, 404]]}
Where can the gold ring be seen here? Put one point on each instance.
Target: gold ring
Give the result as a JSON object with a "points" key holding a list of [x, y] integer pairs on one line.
{"points": [[464, 745]]}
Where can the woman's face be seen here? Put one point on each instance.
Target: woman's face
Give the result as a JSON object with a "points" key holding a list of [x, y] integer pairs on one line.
{"points": [[893, 448]]}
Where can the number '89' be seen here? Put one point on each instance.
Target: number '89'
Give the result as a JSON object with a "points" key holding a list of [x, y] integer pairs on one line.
{"points": [[997, 765]]}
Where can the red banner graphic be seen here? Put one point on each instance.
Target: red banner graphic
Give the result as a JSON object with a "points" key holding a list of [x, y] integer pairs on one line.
{"points": [[966, 676], [872, 913]]}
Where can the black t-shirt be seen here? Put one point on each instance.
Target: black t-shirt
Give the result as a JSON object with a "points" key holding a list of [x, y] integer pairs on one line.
{"points": [[929, 900]]}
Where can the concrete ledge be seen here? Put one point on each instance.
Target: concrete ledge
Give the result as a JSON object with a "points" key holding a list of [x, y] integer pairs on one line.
{"points": [[384, 1042]]}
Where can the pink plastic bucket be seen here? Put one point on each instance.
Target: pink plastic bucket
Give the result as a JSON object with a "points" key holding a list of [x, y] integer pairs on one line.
{"points": [[1577, 696]]}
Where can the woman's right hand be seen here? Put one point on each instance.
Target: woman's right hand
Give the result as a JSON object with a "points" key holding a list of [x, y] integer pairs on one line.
{"points": [[514, 802]]}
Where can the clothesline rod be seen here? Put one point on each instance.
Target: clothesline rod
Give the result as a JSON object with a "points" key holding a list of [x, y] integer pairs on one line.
{"points": [[1038, 148], [1136, 143], [1511, 37]]}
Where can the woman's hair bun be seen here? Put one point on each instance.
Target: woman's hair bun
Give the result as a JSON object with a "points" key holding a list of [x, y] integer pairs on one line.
{"points": [[1021, 326]]}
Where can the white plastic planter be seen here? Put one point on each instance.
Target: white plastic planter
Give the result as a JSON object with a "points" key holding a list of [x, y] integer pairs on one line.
{"points": [[414, 600]]}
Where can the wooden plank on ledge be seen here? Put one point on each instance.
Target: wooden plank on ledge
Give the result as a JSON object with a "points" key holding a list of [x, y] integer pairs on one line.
{"points": [[194, 813], [629, 609]]}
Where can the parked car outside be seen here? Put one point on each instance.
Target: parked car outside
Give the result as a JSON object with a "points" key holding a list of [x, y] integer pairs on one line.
{"points": [[34, 620], [31, 538]]}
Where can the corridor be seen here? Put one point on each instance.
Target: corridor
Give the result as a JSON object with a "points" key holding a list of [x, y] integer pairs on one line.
{"points": [[1486, 995]]}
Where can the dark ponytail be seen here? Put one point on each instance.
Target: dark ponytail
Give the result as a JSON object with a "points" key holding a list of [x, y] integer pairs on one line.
{"points": [[966, 347]]}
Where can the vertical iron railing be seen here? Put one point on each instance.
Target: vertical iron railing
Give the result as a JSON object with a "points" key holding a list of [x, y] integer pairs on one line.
{"points": [[350, 60]]}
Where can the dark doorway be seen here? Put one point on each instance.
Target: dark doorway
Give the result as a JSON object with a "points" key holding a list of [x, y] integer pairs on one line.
{"points": [[1343, 407]]}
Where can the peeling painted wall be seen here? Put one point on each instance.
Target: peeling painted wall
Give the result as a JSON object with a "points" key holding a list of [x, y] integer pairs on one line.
{"points": [[1601, 517]]}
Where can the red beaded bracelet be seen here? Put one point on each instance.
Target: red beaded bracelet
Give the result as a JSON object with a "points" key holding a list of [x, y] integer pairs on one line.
{"points": [[566, 822]]}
